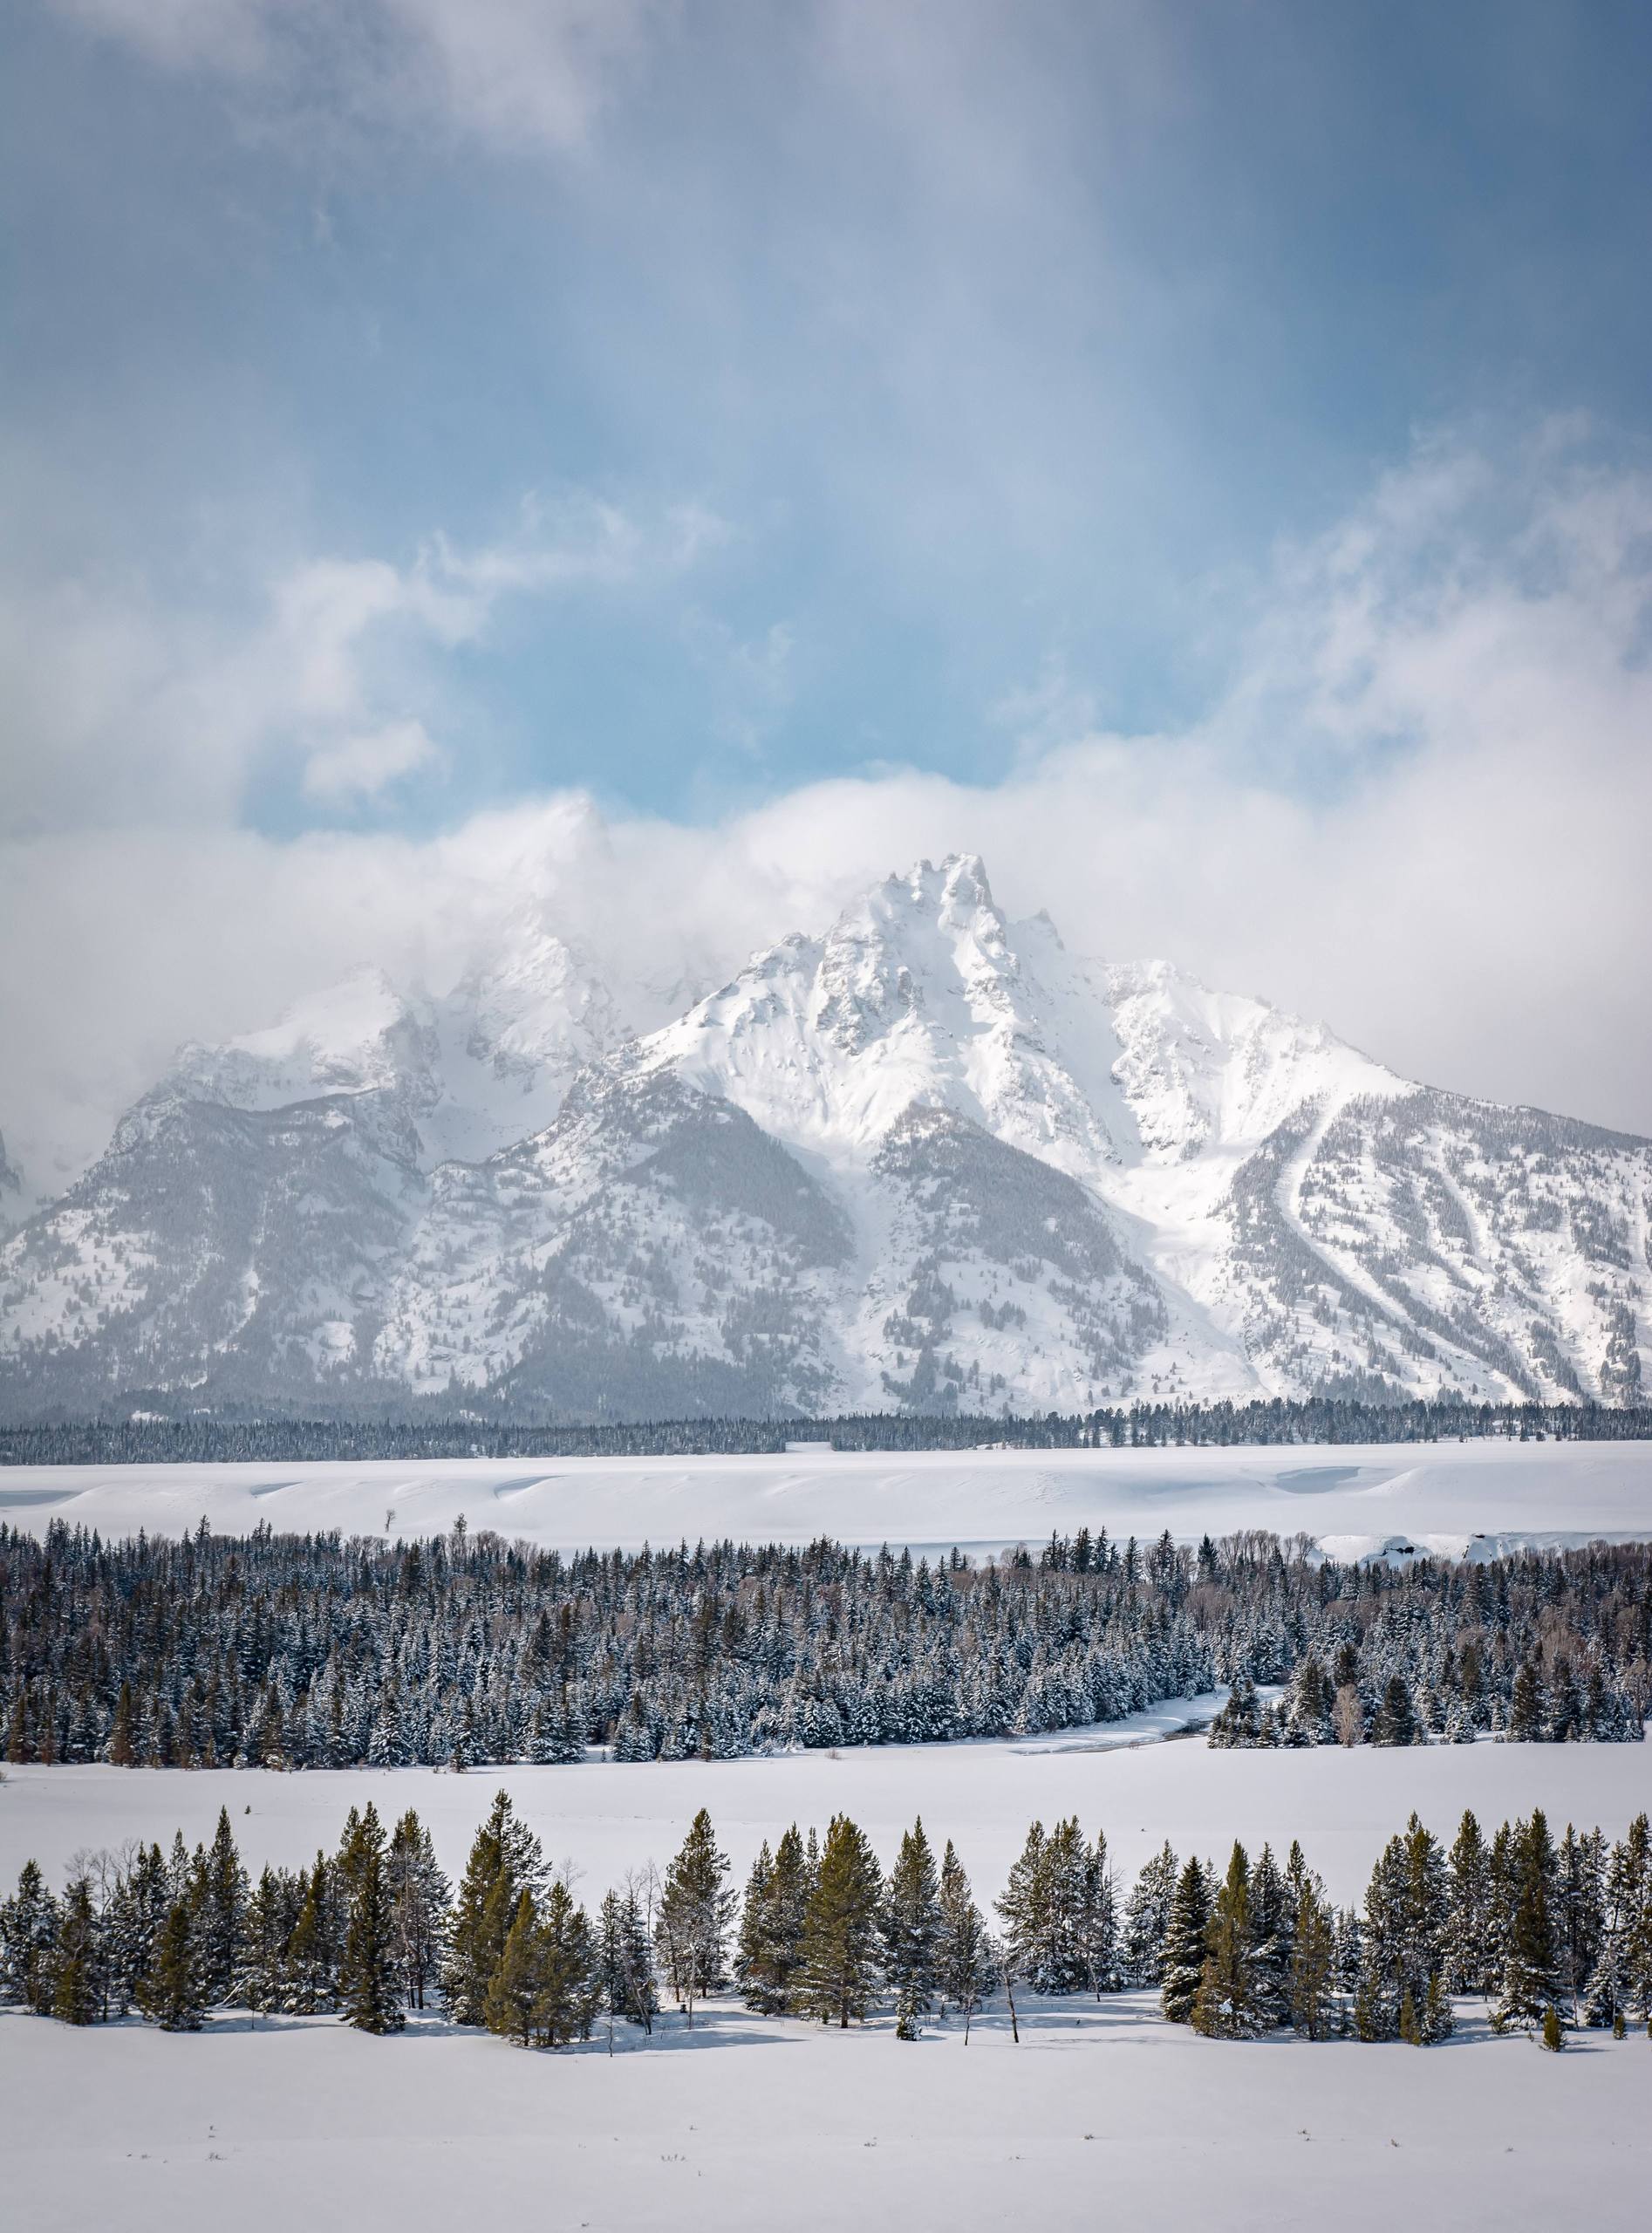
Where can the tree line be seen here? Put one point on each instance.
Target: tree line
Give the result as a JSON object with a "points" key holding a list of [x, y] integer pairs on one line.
{"points": [[1552, 1935], [157, 1436], [312, 1651]]}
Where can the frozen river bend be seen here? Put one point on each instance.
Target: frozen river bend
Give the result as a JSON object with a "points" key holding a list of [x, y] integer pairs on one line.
{"points": [[1353, 1500]]}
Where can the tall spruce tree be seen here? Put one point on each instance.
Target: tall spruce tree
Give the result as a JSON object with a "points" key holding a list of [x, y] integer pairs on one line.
{"points": [[1225, 2005], [570, 1986], [1469, 1964], [625, 1959], [505, 1861], [513, 2003], [1313, 1974], [963, 1963], [79, 1958], [419, 1905], [912, 1930], [222, 1913], [695, 1911], [28, 1942], [1532, 1980], [370, 1990], [841, 1941], [1147, 1919], [1272, 1922], [173, 1993], [1185, 1942]]}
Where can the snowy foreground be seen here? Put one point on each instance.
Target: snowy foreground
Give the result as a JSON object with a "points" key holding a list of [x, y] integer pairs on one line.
{"points": [[1103, 2115], [1100, 2117], [1456, 1497]]}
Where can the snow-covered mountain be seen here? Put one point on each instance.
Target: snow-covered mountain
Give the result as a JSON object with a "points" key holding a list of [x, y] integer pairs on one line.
{"points": [[928, 1159]]}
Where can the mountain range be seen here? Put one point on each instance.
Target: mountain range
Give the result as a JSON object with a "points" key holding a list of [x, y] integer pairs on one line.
{"points": [[928, 1160]]}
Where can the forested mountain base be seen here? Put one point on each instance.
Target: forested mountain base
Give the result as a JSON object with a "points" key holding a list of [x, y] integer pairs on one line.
{"points": [[228, 1437], [1553, 1934], [302, 1651]]}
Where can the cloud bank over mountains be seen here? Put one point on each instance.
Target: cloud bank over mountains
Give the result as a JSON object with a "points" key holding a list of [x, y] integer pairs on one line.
{"points": [[1417, 806]]}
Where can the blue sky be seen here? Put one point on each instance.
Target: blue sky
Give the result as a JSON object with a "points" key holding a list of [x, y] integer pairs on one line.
{"points": [[433, 407]]}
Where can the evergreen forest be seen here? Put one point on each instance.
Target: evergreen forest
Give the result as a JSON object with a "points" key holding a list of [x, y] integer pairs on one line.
{"points": [[1552, 1935], [312, 1651]]}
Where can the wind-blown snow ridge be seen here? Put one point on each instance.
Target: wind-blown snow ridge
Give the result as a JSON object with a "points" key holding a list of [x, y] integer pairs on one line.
{"points": [[927, 1158]]}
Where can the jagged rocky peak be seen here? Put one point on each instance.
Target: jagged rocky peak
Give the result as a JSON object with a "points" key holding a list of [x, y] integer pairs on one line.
{"points": [[921, 1156], [1205, 1069], [359, 1036]]}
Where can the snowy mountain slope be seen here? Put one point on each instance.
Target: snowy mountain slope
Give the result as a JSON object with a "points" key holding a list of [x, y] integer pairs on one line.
{"points": [[483, 1065], [213, 1247], [927, 1158]]}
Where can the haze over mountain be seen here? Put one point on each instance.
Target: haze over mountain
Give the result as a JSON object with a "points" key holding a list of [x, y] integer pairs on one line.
{"points": [[929, 1159]]}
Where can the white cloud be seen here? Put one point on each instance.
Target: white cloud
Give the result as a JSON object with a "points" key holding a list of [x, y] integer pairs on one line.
{"points": [[362, 766], [512, 73], [1419, 812], [135, 711]]}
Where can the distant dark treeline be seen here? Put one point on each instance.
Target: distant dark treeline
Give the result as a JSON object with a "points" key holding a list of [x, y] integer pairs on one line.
{"points": [[225, 1439]]}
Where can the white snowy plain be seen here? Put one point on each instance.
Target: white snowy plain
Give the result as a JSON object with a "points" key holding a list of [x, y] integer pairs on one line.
{"points": [[1352, 1498], [1101, 2115]]}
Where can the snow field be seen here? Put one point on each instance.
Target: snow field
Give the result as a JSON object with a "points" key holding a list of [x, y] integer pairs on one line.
{"points": [[1101, 2117], [607, 1817], [1355, 1500]]}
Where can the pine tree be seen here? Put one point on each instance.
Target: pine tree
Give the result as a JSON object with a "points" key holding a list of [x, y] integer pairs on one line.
{"points": [[1308, 1716], [1611, 1995], [571, 1982], [28, 1940], [1185, 1943], [841, 1936], [512, 2003], [369, 1989], [1313, 1974], [1528, 1705], [1273, 1921], [1532, 1978], [1394, 1721], [262, 1980], [1638, 1947], [1226, 2004], [962, 1954], [625, 1960], [139, 1911], [222, 1913], [1580, 1873], [1024, 1909], [695, 1911], [1468, 1954], [173, 1994], [911, 1929], [420, 1901], [311, 1960], [77, 1959], [1147, 1919], [796, 1874], [505, 1861]]}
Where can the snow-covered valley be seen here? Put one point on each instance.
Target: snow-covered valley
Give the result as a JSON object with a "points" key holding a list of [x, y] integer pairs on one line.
{"points": [[1469, 1499], [928, 1160]]}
